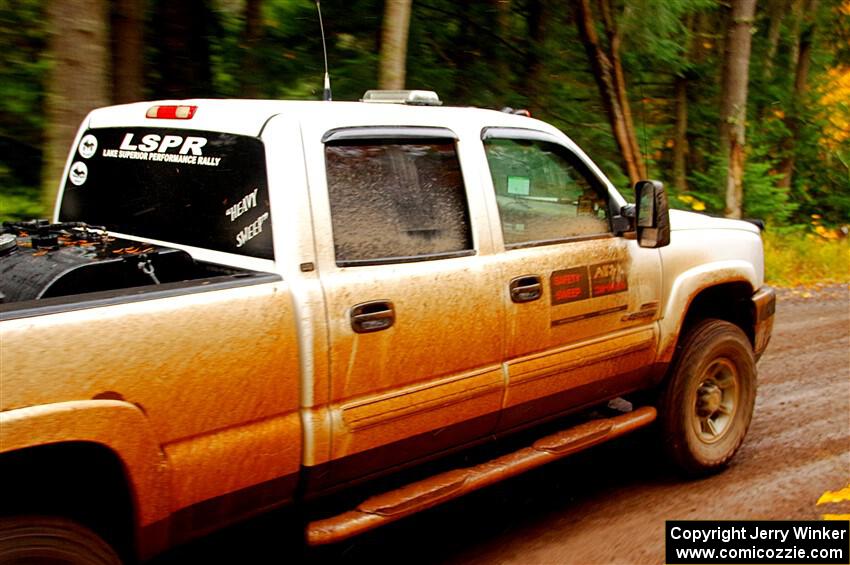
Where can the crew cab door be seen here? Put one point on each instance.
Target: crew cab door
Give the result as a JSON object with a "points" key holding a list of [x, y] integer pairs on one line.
{"points": [[414, 311], [582, 302]]}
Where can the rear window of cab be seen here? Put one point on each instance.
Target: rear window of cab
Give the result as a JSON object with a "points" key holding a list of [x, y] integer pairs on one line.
{"points": [[199, 188]]}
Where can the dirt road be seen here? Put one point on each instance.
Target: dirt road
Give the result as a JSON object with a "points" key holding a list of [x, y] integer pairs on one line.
{"points": [[609, 505]]}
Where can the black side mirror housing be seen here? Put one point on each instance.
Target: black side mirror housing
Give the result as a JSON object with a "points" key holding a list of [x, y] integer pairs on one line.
{"points": [[623, 222], [653, 214]]}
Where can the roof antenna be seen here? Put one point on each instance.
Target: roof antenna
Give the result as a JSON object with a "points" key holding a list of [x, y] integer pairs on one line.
{"points": [[326, 93]]}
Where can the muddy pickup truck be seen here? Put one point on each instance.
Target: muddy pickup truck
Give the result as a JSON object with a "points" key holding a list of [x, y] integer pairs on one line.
{"points": [[240, 305]]}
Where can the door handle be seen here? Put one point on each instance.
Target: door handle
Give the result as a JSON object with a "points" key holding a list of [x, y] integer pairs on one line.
{"points": [[526, 288], [372, 316]]}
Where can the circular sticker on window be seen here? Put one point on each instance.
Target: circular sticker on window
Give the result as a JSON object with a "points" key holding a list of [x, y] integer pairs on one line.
{"points": [[88, 145], [79, 173]]}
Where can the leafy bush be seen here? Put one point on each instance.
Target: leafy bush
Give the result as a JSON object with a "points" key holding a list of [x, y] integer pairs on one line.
{"points": [[795, 258], [20, 204]]}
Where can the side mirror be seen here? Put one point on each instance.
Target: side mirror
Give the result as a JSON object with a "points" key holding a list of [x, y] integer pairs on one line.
{"points": [[653, 215]]}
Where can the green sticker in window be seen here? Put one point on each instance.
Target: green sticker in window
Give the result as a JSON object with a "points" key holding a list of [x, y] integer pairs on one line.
{"points": [[519, 185]]}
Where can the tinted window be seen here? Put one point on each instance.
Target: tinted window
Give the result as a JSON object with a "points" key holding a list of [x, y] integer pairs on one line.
{"points": [[396, 201], [544, 192], [200, 188]]}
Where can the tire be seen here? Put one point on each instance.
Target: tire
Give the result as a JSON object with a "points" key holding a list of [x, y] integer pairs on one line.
{"points": [[707, 403], [51, 540]]}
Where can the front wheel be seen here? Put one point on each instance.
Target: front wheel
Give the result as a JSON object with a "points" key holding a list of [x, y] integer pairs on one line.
{"points": [[46, 539], [708, 400]]}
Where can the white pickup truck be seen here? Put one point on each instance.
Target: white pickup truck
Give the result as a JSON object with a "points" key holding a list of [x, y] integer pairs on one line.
{"points": [[245, 304]]}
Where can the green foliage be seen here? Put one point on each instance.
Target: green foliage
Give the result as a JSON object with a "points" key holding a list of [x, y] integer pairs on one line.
{"points": [[822, 175], [225, 52], [796, 258], [23, 66], [17, 202], [531, 57], [763, 198], [290, 54], [663, 44], [709, 187]]}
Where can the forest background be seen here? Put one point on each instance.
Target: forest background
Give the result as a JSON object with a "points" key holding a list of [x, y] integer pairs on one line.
{"points": [[741, 108]]}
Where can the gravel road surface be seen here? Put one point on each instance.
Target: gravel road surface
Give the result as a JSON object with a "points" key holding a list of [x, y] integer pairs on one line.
{"points": [[608, 505]]}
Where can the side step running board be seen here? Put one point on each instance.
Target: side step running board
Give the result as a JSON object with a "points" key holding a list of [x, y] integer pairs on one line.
{"points": [[415, 497]]}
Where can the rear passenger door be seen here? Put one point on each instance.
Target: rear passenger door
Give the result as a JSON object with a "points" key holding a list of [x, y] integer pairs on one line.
{"points": [[582, 300], [415, 313]]}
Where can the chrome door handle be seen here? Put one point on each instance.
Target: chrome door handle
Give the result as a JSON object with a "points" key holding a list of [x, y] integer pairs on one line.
{"points": [[372, 316], [526, 288]]}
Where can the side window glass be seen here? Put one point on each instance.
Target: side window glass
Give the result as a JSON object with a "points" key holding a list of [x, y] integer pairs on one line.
{"points": [[544, 192], [396, 201]]}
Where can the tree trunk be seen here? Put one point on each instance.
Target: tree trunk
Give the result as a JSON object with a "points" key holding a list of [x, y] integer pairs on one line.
{"points": [[613, 35], [533, 79], [797, 17], [77, 81], [694, 52], [463, 55], [127, 41], [251, 35], [777, 13], [733, 111], [394, 44], [801, 77], [705, 26], [184, 53], [502, 10], [605, 74]]}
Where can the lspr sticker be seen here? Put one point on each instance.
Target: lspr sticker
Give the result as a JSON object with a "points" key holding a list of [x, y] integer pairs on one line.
{"points": [[79, 173], [88, 146]]}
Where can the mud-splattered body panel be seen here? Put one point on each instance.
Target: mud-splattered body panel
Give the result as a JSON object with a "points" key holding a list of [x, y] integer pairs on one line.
{"points": [[458, 318]]}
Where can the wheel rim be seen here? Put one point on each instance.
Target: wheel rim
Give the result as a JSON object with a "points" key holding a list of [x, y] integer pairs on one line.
{"points": [[716, 400]]}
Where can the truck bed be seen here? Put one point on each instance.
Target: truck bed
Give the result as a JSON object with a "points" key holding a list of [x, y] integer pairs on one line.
{"points": [[43, 274]]}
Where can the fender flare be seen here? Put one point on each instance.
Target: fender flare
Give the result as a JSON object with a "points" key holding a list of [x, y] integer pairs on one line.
{"points": [[119, 426], [687, 286]]}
